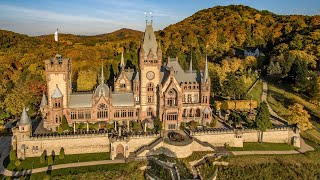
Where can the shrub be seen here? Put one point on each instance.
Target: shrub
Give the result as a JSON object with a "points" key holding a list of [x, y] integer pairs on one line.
{"points": [[18, 162], [13, 155], [60, 130], [42, 158], [61, 154], [50, 160]]}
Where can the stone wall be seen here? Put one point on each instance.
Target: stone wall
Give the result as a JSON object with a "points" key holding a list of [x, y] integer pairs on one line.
{"points": [[74, 144]]}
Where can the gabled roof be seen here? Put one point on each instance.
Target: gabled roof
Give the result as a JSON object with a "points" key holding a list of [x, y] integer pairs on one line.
{"points": [[80, 100], [122, 99], [179, 73], [57, 93]]}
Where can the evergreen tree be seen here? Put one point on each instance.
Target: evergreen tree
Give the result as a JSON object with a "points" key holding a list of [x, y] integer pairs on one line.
{"points": [[43, 158], [13, 155], [263, 117], [50, 160], [61, 154], [157, 124], [64, 124]]}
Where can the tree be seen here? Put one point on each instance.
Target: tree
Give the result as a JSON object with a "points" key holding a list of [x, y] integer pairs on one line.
{"points": [[298, 115], [64, 124], [157, 124], [60, 130], [50, 160], [263, 119], [315, 91], [61, 153], [43, 158], [13, 155], [192, 124], [274, 69], [87, 79]]}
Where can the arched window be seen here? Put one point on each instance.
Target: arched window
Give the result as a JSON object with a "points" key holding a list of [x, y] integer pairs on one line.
{"points": [[191, 113], [149, 112], [150, 87], [172, 97], [198, 112], [102, 111], [184, 114], [57, 118]]}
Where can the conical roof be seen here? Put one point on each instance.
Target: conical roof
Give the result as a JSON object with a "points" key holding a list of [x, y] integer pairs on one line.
{"points": [[122, 62], [190, 66], [57, 93], [24, 119], [44, 101]]}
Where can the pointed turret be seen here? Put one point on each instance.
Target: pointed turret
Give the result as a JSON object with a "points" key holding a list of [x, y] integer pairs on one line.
{"points": [[102, 75], [122, 61], [44, 101], [24, 119], [149, 41], [205, 74], [190, 66]]}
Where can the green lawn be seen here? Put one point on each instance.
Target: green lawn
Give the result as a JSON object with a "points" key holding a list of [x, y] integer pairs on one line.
{"points": [[248, 146], [256, 92], [34, 162], [126, 171], [279, 99]]}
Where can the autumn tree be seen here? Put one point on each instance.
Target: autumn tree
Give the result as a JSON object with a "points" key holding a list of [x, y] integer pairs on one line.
{"points": [[87, 79], [298, 115]]}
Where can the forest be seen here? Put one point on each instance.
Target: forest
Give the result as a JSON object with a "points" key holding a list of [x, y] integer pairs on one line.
{"points": [[289, 46]]}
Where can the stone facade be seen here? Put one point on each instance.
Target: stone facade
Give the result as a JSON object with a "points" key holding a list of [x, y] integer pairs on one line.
{"points": [[156, 90]]}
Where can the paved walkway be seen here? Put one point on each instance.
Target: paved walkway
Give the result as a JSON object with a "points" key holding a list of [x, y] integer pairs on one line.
{"points": [[264, 98]]}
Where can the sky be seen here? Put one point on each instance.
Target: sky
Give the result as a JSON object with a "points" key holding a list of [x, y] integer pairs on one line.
{"points": [[91, 17]]}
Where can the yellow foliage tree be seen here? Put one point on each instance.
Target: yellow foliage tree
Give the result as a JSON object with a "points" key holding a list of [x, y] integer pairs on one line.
{"points": [[87, 79], [298, 115]]}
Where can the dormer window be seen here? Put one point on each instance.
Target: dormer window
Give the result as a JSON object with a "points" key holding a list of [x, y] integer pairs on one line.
{"points": [[122, 85]]}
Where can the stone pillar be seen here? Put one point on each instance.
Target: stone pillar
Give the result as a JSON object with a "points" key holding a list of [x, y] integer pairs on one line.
{"points": [[74, 127], [115, 125], [145, 127], [120, 128], [87, 126], [128, 126]]}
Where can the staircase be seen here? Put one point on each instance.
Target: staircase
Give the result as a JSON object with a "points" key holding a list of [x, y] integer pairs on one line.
{"points": [[145, 147]]}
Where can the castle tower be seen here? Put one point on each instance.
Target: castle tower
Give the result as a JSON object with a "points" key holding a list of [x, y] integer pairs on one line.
{"points": [[58, 75], [205, 94], [150, 60]]}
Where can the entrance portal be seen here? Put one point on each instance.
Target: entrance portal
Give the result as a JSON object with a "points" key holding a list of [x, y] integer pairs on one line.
{"points": [[120, 151]]}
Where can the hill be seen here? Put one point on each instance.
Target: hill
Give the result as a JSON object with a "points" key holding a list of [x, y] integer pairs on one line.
{"points": [[217, 31]]}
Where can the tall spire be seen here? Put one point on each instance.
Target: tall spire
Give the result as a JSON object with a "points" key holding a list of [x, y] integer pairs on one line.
{"points": [[122, 61], [149, 41], [102, 75], [190, 66], [44, 101], [205, 75]]}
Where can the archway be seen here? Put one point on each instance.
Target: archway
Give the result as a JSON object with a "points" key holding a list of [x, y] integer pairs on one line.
{"points": [[120, 150]]}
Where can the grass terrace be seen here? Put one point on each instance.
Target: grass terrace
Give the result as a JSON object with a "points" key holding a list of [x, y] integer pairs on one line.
{"points": [[256, 92], [253, 146], [34, 162]]}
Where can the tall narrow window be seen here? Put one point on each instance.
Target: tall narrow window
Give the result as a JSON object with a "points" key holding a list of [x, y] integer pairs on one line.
{"points": [[149, 112], [102, 111]]}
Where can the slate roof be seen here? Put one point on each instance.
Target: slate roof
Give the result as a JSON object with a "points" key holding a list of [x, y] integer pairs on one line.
{"points": [[179, 73], [102, 90], [44, 101], [57, 93], [122, 99], [80, 100], [149, 41], [24, 119]]}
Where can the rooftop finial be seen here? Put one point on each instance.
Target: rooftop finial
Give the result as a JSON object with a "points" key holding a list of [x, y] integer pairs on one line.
{"points": [[122, 61], [102, 75], [190, 66], [205, 75], [145, 13], [151, 17]]}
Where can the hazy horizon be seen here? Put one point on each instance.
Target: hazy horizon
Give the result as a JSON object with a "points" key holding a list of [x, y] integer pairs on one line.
{"points": [[99, 17]]}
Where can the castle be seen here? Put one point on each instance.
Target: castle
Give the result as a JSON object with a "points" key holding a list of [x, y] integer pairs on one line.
{"points": [[156, 90]]}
